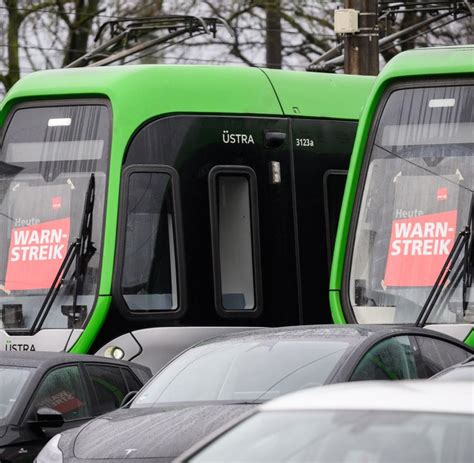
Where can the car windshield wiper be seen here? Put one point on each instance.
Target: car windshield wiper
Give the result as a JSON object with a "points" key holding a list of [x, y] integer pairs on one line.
{"points": [[462, 244], [80, 251]]}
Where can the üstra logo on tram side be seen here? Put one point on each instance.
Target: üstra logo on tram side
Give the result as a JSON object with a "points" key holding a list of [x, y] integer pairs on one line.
{"points": [[9, 346], [233, 138]]}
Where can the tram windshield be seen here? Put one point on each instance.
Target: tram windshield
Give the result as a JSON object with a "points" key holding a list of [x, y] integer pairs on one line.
{"points": [[48, 156], [417, 197]]}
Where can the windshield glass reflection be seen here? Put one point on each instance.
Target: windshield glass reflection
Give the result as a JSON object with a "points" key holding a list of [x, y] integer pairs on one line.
{"points": [[47, 159], [243, 371], [12, 381], [417, 198], [344, 436]]}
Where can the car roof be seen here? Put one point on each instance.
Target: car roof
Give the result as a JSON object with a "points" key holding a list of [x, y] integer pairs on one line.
{"points": [[45, 360], [352, 333], [412, 396]]}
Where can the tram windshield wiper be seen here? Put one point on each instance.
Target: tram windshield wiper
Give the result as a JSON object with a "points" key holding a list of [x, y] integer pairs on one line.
{"points": [[463, 244], [79, 252]]}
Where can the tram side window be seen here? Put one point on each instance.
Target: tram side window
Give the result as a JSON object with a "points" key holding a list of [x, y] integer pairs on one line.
{"points": [[149, 280], [234, 243]]}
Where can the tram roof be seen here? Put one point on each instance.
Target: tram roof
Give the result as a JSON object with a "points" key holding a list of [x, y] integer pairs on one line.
{"points": [[429, 62], [160, 89]]}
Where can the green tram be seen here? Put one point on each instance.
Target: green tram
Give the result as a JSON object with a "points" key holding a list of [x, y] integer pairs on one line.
{"points": [[143, 202], [404, 250]]}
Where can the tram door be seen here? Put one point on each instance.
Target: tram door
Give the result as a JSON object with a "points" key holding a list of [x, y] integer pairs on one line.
{"points": [[252, 225], [208, 225]]}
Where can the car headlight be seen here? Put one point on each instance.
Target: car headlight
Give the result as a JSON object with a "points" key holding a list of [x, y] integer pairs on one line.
{"points": [[51, 452]]}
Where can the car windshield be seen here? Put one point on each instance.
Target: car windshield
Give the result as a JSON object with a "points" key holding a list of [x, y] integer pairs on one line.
{"points": [[12, 381], [243, 370], [417, 197], [345, 436], [47, 160]]}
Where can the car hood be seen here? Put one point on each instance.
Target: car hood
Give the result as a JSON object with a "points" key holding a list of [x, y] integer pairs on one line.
{"points": [[158, 432]]}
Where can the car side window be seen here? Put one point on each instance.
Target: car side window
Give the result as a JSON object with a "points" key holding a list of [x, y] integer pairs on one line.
{"points": [[132, 383], [390, 359], [436, 354], [109, 386], [62, 390]]}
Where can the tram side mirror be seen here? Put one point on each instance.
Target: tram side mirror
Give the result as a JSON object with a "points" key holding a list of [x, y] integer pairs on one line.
{"points": [[274, 139], [128, 397], [360, 293], [75, 318], [12, 316], [49, 418]]}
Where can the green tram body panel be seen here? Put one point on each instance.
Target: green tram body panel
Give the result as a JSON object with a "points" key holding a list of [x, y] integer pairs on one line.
{"points": [[140, 94], [417, 65]]}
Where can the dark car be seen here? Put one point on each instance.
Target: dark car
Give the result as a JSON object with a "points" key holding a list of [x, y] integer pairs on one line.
{"points": [[220, 379], [463, 371], [45, 393]]}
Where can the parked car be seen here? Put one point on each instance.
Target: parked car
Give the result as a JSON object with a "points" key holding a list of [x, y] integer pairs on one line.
{"points": [[219, 380], [44, 393], [463, 371], [376, 422]]}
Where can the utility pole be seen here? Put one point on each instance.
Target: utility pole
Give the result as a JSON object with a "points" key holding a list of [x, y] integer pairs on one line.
{"points": [[361, 49], [273, 33]]}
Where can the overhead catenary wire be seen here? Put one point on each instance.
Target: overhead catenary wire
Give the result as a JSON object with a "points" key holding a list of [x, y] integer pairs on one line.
{"points": [[260, 29], [399, 42]]}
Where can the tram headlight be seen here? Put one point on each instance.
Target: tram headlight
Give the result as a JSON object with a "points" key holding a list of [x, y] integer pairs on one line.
{"points": [[114, 352]]}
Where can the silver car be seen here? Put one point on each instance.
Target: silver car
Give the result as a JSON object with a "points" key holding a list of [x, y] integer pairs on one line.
{"points": [[376, 422]]}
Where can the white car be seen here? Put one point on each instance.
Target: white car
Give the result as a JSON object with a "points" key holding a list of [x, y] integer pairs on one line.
{"points": [[361, 422]]}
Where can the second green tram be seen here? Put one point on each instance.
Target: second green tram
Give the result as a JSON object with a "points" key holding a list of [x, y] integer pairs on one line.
{"points": [[404, 247], [156, 202]]}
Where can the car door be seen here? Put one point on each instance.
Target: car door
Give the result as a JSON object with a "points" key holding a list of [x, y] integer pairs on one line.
{"points": [[63, 390], [438, 354], [392, 358]]}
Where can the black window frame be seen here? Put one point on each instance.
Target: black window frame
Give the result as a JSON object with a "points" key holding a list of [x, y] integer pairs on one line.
{"points": [[389, 88], [117, 294], [330, 240], [249, 173]]}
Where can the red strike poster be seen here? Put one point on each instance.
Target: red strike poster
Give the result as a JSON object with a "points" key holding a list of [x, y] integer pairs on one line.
{"points": [[36, 253], [418, 248], [423, 228], [38, 236]]}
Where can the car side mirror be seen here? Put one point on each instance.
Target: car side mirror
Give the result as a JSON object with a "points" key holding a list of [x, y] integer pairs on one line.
{"points": [[128, 397], [49, 418]]}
